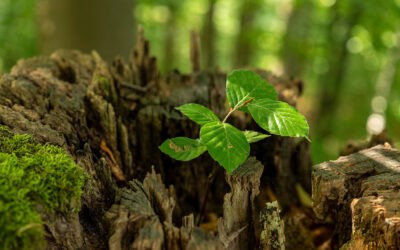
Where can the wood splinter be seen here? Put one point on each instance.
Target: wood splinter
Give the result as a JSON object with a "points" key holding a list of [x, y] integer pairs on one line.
{"points": [[115, 169]]}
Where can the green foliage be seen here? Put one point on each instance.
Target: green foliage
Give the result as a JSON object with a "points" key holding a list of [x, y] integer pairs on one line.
{"points": [[254, 136], [225, 143], [182, 148], [230, 147], [198, 113], [278, 118], [31, 176], [299, 38], [18, 31], [305, 42], [244, 85]]}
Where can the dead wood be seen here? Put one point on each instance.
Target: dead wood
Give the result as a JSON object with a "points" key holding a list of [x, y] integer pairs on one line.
{"points": [[141, 218], [273, 228], [359, 193], [112, 118], [236, 228]]}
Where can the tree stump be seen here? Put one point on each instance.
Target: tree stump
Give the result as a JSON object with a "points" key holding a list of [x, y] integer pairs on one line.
{"points": [[236, 228], [359, 193], [111, 120], [141, 218]]}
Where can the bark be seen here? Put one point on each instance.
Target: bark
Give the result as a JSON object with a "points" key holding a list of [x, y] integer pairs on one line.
{"points": [[236, 228], [273, 228], [111, 119], [141, 218], [359, 194]]}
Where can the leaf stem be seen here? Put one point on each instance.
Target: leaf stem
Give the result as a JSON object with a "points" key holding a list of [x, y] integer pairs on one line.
{"points": [[229, 114], [236, 108]]}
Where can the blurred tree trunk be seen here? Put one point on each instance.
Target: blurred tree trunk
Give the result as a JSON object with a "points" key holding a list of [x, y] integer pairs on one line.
{"points": [[169, 44], [296, 38], [171, 55], [101, 25], [244, 46], [331, 83], [208, 36]]}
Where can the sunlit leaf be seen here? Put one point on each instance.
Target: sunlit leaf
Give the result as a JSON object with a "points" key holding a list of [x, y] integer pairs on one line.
{"points": [[182, 148], [225, 143], [278, 118], [243, 85], [254, 136], [198, 113]]}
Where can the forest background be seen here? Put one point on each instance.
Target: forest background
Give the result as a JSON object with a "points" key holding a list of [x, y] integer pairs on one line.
{"points": [[346, 52]]}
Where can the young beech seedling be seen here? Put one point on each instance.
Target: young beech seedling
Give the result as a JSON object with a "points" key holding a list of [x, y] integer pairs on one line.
{"points": [[247, 92]]}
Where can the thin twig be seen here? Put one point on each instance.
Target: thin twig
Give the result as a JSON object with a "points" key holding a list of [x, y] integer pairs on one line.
{"points": [[134, 87]]}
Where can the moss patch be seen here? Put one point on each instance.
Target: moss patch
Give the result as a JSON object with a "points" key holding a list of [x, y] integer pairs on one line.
{"points": [[33, 176]]}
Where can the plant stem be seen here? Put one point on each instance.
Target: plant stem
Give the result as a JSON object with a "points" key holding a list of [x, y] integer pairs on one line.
{"points": [[211, 178], [236, 108], [230, 112]]}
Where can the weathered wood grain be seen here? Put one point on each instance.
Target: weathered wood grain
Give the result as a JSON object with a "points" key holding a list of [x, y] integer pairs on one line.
{"points": [[360, 194]]}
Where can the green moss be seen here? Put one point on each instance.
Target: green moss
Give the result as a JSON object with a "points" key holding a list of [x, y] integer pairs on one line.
{"points": [[107, 88], [33, 176]]}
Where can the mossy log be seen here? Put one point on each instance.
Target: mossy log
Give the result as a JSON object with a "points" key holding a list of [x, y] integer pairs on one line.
{"points": [[111, 120], [37, 182], [359, 194]]}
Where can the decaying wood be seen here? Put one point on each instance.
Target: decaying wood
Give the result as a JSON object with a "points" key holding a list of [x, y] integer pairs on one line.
{"points": [[141, 218], [359, 193], [42, 97], [354, 146], [298, 234], [112, 118], [236, 228], [273, 228]]}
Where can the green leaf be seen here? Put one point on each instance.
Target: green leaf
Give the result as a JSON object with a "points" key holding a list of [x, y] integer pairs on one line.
{"points": [[198, 113], [254, 136], [243, 85], [225, 143], [278, 118], [182, 148]]}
